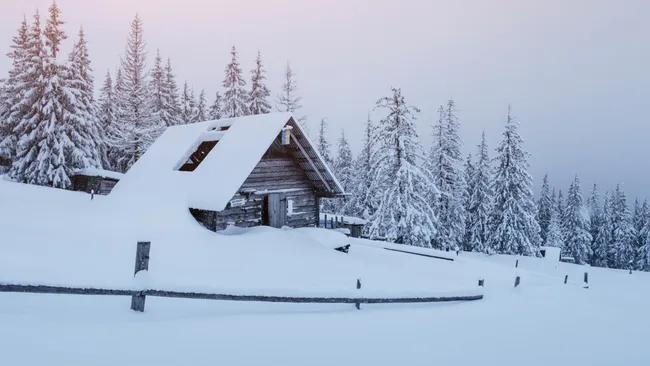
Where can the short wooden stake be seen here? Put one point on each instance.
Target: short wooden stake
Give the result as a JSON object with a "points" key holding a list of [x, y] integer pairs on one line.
{"points": [[566, 278], [630, 270], [586, 278], [331, 223], [517, 281], [92, 194], [517, 264], [141, 263], [358, 288], [481, 282], [325, 222]]}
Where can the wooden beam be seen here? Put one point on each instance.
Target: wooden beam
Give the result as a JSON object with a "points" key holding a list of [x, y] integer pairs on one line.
{"points": [[311, 162]]}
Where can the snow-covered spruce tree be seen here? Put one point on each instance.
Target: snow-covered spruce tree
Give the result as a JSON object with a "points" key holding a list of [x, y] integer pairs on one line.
{"points": [[324, 148], [344, 170], [643, 255], [468, 171], [641, 227], [403, 214], [513, 228], [235, 98], [201, 108], [107, 116], [561, 204], [12, 93], [215, 108], [137, 127], [83, 126], [360, 203], [258, 99], [46, 152], [554, 236], [622, 254], [576, 225], [595, 216], [194, 107], [544, 209], [603, 243], [288, 101], [444, 164], [481, 198], [187, 110], [173, 104], [164, 101]]}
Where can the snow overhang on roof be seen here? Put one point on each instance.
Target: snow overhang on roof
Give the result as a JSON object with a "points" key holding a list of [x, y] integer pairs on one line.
{"points": [[211, 183]]}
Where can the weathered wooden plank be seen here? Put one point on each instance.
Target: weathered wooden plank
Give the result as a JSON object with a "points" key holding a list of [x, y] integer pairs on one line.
{"points": [[42, 289], [275, 163], [260, 186]]}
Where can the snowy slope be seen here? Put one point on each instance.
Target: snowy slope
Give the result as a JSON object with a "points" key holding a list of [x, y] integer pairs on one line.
{"points": [[60, 237]]}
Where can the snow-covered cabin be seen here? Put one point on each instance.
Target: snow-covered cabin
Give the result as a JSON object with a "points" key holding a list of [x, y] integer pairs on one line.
{"points": [[245, 171], [92, 180]]}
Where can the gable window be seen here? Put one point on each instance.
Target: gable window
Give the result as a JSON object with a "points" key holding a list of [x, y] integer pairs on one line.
{"points": [[198, 156]]}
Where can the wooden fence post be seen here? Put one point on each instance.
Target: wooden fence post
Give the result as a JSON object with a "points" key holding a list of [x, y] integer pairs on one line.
{"points": [[92, 194], [566, 279], [324, 222], [481, 282], [517, 264], [517, 281], [331, 223], [141, 263], [586, 278], [358, 288]]}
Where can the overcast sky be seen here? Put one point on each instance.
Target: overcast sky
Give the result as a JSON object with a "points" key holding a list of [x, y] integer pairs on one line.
{"points": [[577, 72]]}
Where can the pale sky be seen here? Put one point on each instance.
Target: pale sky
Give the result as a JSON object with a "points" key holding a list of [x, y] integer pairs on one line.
{"points": [[575, 71]]}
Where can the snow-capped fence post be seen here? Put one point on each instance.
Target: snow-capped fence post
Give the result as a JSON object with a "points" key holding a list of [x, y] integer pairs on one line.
{"points": [[141, 263], [566, 279], [92, 194], [358, 305], [517, 281]]}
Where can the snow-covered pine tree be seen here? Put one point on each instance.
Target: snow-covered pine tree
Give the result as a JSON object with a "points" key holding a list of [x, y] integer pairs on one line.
{"points": [[576, 225], [45, 153], [344, 170], [187, 111], [561, 204], [641, 227], [481, 198], [594, 210], [194, 112], [164, 102], [444, 163], [544, 209], [288, 101], [12, 106], [201, 109], [602, 245], [258, 99], [173, 105], [360, 203], [235, 98], [643, 254], [82, 124], [403, 214], [468, 171], [137, 127], [324, 148], [514, 229], [622, 254], [215, 108], [107, 116], [554, 236]]}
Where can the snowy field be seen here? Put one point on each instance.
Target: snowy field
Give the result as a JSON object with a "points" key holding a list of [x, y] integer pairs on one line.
{"points": [[56, 237]]}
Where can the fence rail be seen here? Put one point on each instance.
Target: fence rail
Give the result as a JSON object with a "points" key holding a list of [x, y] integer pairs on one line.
{"points": [[39, 289], [138, 297]]}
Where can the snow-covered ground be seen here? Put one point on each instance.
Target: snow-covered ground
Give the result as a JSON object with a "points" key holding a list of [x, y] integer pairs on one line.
{"points": [[50, 236]]}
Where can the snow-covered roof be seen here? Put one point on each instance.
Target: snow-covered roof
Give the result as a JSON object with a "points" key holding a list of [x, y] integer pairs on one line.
{"points": [[94, 172], [211, 185]]}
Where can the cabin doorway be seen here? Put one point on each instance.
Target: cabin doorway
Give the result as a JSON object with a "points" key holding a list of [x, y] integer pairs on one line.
{"points": [[274, 210]]}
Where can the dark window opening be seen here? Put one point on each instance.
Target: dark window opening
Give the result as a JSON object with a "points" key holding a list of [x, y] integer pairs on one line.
{"points": [[197, 157], [224, 128]]}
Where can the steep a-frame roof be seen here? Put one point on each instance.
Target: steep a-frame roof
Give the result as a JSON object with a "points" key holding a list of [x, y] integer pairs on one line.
{"points": [[206, 163]]}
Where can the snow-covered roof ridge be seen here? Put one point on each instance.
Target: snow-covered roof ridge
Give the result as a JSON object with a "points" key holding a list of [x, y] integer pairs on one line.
{"points": [[238, 144]]}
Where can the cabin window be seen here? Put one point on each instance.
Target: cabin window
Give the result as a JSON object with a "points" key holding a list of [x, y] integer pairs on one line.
{"points": [[289, 207], [198, 156], [224, 128]]}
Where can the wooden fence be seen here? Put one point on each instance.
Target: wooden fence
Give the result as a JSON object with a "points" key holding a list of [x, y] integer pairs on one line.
{"points": [[138, 297]]}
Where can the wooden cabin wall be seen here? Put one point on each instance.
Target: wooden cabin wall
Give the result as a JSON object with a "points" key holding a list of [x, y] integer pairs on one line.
{"points": [[274, 172]]}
